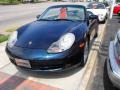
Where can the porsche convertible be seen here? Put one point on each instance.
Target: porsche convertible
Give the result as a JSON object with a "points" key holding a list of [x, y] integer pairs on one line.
{"points": [[58, 40]]}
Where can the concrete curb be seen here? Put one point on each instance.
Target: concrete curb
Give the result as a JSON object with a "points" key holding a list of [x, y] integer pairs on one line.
{"points": [[91, 60], [3, 43]]}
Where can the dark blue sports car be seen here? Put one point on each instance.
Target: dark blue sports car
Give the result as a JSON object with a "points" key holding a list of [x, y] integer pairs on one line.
{"points": [[58, 40]]}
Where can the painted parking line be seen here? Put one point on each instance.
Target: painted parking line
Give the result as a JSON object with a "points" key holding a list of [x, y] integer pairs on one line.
{"points": [[11, 82]]}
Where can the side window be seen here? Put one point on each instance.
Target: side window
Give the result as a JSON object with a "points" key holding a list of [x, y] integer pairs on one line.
{"points": [[118, 48], [89, 13]]}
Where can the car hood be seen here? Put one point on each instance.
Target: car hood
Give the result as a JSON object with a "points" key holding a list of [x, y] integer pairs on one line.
{"points": [[41, 34], [98, 11]]}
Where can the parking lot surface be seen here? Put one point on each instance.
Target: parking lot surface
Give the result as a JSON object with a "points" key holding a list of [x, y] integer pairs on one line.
{"points": [[99, 78]]}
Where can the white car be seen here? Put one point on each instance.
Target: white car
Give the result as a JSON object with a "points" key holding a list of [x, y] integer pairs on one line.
{"points": [[98, 9]]}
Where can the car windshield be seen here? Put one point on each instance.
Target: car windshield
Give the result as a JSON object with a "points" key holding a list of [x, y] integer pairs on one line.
{"points": [[106, 4], [118, 47], [64, 13], [96, 6]]}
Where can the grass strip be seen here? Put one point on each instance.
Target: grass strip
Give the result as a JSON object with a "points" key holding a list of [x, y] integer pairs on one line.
{"points": [[3, 38]]}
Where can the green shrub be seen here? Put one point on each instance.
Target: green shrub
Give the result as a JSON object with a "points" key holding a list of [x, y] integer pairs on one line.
{"points": [[9, 1], [3, 38]]}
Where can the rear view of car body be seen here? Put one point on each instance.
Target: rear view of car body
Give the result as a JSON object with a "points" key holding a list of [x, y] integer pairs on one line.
{"points": [[113, 63], [117, 10]]}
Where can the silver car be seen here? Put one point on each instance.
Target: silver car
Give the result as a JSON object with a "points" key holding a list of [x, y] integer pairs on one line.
{"points": [[113, 63]]}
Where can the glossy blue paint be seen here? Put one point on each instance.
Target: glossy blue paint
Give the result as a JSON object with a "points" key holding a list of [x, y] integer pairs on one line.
{"points": [[35, 38], [43, 33], [36, 54]]}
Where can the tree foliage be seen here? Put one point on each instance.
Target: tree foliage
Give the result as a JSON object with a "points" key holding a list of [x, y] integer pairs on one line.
{"points": [[118, 1]]}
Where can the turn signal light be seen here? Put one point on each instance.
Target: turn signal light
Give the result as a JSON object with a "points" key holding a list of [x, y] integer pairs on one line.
{"points": [[118, 60], [82, 45]]}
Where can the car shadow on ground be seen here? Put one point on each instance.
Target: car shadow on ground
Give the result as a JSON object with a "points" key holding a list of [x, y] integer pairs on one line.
{"points": [[106, 81], [50, 75], [11, 82]]}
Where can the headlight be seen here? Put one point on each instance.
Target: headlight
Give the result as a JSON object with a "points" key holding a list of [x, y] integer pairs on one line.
{"points": [[13, 38], [64, 43]]}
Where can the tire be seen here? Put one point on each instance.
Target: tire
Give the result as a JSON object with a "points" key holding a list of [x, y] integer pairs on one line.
{"points": [[104, 21], [119, 13], [85, 53], [96, 34]]}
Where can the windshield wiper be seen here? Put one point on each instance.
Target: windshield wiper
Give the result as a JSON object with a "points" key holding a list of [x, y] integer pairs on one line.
{"points": [[64, 20], [43, 20]]}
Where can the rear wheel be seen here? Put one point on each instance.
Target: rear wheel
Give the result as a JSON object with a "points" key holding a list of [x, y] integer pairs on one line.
{"points": [[85, 53], [119, 13]]}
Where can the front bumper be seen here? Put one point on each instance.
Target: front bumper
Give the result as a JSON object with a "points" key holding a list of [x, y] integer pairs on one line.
{"points": [[113, 68], [45, 62]]}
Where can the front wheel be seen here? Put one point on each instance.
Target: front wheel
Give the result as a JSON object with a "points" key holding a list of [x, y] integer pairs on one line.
{"points": [[104, 21], [85, 53]]}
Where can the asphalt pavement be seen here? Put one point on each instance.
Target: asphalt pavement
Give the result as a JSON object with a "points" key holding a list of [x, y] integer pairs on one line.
{"points": [[16, 15], [99, 78]]}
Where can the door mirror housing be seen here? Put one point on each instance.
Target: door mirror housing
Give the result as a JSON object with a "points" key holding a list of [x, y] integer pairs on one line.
{"points": [[93, 17], [38, 16]]}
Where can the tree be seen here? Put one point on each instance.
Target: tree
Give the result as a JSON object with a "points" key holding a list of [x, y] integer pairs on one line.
{"points": [[12, 1], [118, 1]]}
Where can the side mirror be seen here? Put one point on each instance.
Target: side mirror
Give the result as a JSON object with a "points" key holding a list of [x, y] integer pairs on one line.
{"points": [[37, 16], [93, 17]]}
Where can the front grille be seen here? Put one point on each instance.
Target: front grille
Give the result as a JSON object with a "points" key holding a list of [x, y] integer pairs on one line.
{"points": [[47, 64]]}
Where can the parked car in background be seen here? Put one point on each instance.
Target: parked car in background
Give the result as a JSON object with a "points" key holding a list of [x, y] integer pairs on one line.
{"points": [[28, 1], [57, 41], [99, 9], [113, 63], [107, 5], [117, 9]]}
